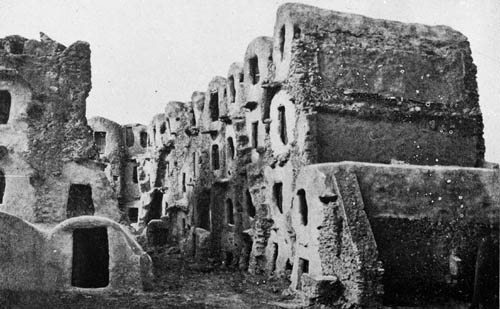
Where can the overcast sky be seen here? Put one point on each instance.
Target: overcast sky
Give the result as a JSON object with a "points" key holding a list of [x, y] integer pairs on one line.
{"points": [[146, 53]]}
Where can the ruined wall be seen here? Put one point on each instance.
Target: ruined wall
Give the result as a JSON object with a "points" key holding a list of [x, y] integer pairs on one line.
{"points": [[49, 84]]}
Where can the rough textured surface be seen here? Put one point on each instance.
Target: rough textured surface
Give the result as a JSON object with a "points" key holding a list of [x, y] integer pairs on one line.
{"points": [[35, 259], [47, 136]]}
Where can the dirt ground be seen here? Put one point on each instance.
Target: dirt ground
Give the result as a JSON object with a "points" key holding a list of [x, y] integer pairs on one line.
{"points": [[179, 283]]}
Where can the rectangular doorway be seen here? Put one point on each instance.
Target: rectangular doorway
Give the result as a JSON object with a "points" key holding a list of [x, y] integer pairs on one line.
{"points": [[90, 262]]}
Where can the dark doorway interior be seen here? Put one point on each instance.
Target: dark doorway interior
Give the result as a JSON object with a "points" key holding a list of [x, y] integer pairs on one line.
{"points": [[154, 207], [203, 210], [90, 263], [80, 201], [5, 100]]}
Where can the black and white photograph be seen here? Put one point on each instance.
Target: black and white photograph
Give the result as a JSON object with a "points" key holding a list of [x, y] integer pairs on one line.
{"points": [[249, 154]]}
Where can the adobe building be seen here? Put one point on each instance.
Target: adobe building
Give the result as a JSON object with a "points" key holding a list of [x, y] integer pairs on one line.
{"points": [[47, 167], [346, 154]]}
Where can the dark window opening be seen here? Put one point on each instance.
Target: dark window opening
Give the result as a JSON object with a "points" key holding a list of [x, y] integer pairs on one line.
{"points": [[135, 179], [278, 195], [232, 89], [215, 157], [301, 194], [100, 141], [5, 102], [303, 266], [230, 148], [296, 32], [194, 164], [275, 257], [168, 126], [183, 223], [203, 210], [129, 136], [214, 105], [163, 128], [255, 134], [269, 94], [144, 139], [2, 186], [225, 93], [80, 201], [193, 118], [168, 168], [183, 182], [282, 41], [254, 69], [282, 125], [154, 136], [90, 262], [241, 77], [288, 265], [250, 207], [133, 214], [229, 211]]}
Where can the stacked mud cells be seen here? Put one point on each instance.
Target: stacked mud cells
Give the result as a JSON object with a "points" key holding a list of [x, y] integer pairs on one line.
{"points": [[344, 153]]}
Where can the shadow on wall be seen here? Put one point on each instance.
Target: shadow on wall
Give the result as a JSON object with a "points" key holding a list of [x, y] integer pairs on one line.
{"points": [[84, 252]]}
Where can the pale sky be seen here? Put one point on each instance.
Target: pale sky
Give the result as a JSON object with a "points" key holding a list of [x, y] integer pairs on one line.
{"points": [[146, 53]]}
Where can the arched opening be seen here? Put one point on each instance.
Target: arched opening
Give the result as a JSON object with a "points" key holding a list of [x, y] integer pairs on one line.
{"points": [[278, 195], [214, 105], [5, 101], [229, 211], [254, 69], [100, 141], [133, 164], [241, 78], [168, 126], [183, 182], [193, 162], [2, 186], [215, 157], [250, 207], [163, 128], [282, 41], [129, 136], [230, 148], [301, 194], [282, 125], [232, 89], [144, 139]]}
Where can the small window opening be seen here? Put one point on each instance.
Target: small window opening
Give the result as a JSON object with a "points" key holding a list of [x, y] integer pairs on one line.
{"points": [[163, 128], [214, 105], [254, 69], [135, 179], [278, 195], [80, 201], [168, 168], [183, 223], [288, 265], [274, 257], [133, 214], [241, 77], [250, 207], [296, 32], [230, 148], [100, 141], [255, 134], [193, 118], [282, 41], [303, 266], [2, 186], [229, 211], [194, 163], [225, 93], [215, 157], [168, 126], [154, 136], [129, 136], [232, 89], [5, 102], [183, 182], [282, 125], [301, 194], [144, 139], [90, 261]]}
